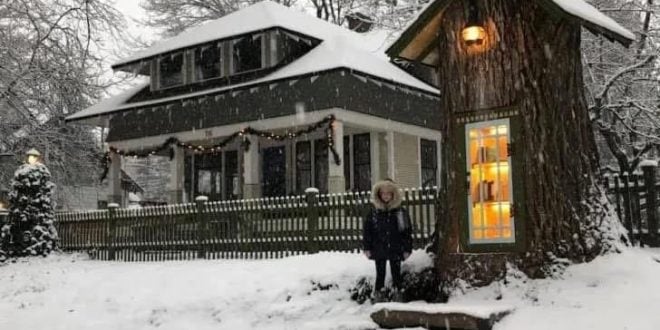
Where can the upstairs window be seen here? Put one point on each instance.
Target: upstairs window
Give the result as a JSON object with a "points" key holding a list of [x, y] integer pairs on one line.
{"points": [[208, 62], [171, 70], [247, 54], [294, 47]]}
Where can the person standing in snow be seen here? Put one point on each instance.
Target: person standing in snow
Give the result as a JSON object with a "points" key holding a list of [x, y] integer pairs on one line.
{"points": [[387, 236]]}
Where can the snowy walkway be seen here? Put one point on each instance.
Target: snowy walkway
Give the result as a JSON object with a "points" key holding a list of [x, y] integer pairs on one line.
{"points": [[613, 293]]}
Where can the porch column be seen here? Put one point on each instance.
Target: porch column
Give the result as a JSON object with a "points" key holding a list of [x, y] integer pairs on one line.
{"points": [[251, 182], [336, 179], [114, 180], [391, 170], [177, 176]]}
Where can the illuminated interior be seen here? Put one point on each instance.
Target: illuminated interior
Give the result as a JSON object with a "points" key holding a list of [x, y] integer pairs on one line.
{"points": [[490, 197]]}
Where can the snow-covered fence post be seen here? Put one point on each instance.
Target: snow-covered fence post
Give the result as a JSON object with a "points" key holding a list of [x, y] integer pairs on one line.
{"points": [[627, 206], [201, 226], [112, 229], [312, 195], [650, 168]]}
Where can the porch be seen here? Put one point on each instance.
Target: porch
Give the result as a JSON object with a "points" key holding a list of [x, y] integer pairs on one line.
{"points": [[371, 148]]}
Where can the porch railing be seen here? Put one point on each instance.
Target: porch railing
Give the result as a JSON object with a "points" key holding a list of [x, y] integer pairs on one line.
{"points": [[248, 229]]}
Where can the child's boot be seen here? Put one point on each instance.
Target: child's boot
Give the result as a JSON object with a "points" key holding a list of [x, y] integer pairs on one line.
{"points": [[379, 296]]}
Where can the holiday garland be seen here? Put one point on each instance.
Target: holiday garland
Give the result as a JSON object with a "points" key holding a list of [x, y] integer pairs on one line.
{"points": [[326, 123]]}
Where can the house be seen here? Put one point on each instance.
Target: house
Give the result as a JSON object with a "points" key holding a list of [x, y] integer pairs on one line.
{"points": [[268, 101]]}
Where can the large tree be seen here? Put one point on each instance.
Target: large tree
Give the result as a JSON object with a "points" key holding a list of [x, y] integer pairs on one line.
{"points": [[51, 66], [530, 63]]}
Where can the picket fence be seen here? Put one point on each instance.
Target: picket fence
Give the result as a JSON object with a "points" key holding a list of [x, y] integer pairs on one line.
{"points": [[237, 229], [635, 198]]}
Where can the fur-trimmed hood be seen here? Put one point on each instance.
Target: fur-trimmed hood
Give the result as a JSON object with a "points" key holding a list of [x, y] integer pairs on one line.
{"points": [[396, 198]]}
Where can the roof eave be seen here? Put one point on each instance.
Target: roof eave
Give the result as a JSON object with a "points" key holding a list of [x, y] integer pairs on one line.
{"points": [[402, 42], [100, 119]]}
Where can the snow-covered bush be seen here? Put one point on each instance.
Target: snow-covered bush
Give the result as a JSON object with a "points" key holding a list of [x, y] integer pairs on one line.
{"points": [[29, 229]]}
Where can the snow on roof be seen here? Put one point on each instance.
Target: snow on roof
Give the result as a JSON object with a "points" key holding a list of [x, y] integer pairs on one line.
{"points": [[587, 12], [260, 16], [340, 52], [577, 8], [340, 48], [334, 54], [109, 103]]}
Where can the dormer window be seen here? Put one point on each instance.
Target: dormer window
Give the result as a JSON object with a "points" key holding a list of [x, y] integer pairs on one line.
{"points": [[171, 70], [294, 46], [208, 62], [247, 53]]}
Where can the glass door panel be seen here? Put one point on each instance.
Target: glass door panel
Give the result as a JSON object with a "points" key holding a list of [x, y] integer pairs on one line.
{"points": [[489, 175]]}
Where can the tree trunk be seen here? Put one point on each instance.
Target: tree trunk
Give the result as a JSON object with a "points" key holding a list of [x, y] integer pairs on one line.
{"points": [[531, 62]]}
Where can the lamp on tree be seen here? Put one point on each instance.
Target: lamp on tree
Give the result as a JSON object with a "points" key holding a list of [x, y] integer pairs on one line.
{"points": [[474, 32], [33, 156]]}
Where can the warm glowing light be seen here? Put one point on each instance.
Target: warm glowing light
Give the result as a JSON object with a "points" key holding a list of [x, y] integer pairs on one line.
{"points": [[474, 34], [33, 157], [2, 206]]}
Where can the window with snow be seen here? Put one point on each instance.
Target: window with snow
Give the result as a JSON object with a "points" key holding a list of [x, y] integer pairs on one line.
{"points": [[171, 70], [312, 165], [429, 162], [208, 62], [247, 53]]}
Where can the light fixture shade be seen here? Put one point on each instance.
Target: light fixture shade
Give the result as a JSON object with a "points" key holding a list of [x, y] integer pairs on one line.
{"points": [[474, 34], [33, 156]]}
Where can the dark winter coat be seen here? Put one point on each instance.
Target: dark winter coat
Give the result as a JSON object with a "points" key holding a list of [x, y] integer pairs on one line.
{"points": [[387, 232]]}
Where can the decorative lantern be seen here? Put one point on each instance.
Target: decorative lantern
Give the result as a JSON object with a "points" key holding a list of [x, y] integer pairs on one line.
{"points": [[33, 156], [474, 32]]}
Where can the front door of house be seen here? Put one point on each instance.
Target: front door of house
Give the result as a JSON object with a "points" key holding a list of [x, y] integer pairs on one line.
{"points": [[273, 171]]}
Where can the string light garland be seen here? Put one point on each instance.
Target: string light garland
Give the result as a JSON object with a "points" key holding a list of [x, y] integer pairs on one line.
{"points": [[326, 123]]}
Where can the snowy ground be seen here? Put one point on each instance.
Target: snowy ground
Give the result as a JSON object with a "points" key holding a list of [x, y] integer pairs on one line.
{"points": [[64, 292]]}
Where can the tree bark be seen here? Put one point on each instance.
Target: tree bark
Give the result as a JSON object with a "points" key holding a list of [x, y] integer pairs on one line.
{"points": [[530, 61]]}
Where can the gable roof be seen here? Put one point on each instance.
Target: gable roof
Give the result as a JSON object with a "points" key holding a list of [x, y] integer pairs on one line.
{"points": [[258, 17], [340, 48], [429, 17]]}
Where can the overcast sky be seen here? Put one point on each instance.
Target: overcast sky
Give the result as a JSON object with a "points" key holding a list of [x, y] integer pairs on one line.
{"points": [[132, 10]]}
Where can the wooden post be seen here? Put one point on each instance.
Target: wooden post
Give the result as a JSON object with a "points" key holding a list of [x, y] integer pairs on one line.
{"points": [[201, 226], [312, 195], [112, 230], [627, 206], [650, 168]]}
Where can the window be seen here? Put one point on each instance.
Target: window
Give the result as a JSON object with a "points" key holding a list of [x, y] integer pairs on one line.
{"points": [[171, 70], [321, 166], [247, 53], [312, 172], [347, 161], [303, 166], [293, 47], [429, 162], [208, 176], [208, 62], [490, 195], [232, 178], [362, 162], [205, 175], [274, 172]]}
